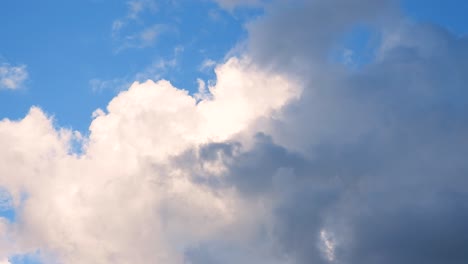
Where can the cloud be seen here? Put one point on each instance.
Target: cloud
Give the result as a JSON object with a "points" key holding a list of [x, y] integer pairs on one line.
{"points": [[288, 158], [123, 29], [207, 64], [146, 37], [12, 77], [382, 172], [126, 203], [136, 7], [117, 84], [155, 71], [158, 68]]}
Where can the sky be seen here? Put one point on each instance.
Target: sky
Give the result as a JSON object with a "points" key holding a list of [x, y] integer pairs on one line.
{"points": [[233, 131]]}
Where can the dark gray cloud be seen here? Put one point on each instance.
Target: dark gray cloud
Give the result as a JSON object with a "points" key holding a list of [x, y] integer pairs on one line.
{"points": [[380, 202], [296, 34], [374, 159]]}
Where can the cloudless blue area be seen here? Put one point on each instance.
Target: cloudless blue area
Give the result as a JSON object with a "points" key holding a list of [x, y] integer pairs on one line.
{"points": [[6, 205], [25, 259], [450, 14], [356, 47], [9, 214]]}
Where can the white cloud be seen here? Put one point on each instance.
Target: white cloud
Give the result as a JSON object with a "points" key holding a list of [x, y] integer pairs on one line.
{"points": [[123, 201], [207, 64], [203, 93], [237, 97], [12, 77]]}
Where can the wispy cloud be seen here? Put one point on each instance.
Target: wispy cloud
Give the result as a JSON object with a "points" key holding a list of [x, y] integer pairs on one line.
{"points": [[137, 6], [207, 64], [155, 71], [141, 37], [232, 4], [12, 77], [117, 84], [145, 38]]}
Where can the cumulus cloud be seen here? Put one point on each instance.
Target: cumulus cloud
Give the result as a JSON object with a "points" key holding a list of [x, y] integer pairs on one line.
{"points": [[121, 201], [288, 158], [12, 77]]}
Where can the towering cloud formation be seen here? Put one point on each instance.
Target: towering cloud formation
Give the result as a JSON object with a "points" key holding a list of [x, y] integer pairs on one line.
{"points": [[293, 157]]}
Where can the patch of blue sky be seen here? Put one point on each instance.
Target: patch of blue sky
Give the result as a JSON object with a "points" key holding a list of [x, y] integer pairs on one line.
{"points": [[8, 213], [356, 47], [32, 258], [7, 209], [449, 14]]}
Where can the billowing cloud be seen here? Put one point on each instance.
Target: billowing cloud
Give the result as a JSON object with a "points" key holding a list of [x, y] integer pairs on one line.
{"points": [[12, 77], [382, 144], [290, 157], [121, 201]]}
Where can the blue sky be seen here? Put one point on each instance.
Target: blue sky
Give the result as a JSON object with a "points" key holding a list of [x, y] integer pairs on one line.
{"points": [[72, 57], [67, 44], [448, 14]]}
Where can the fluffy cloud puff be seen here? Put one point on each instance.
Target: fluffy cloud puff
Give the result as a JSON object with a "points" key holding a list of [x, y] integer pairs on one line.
{"points": [[291, 157], [12, 77]]}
